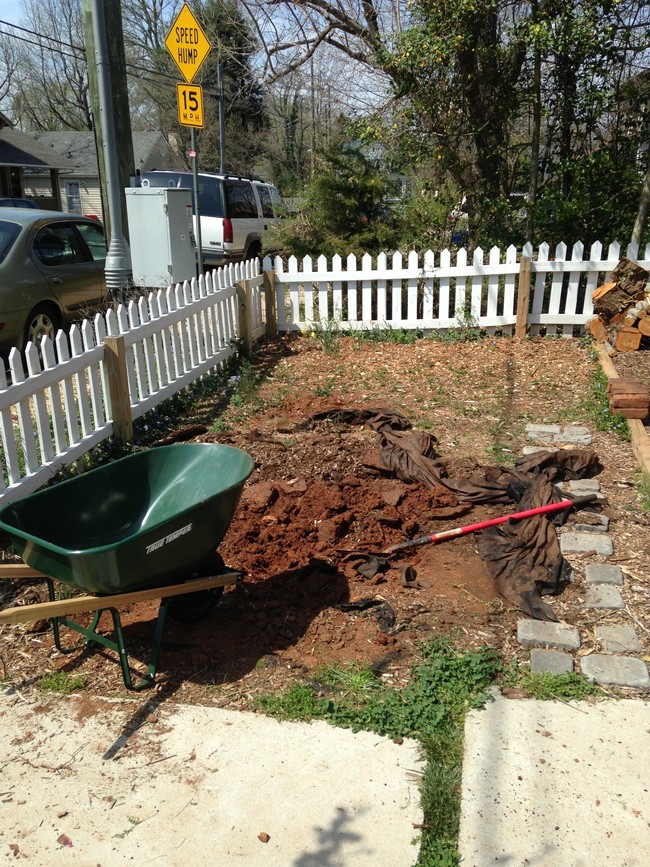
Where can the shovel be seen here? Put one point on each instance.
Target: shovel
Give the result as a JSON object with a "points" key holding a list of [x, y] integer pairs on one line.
{"points": [[481, 525]]}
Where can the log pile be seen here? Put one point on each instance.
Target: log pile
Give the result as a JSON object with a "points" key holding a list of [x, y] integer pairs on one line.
{"points": [[623, 309], [629, 397]]}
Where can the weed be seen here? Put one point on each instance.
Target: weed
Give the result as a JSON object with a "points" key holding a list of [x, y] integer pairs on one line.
{"points": [[432, 708], [545, 685], [61, 682], [598, 409], [328, 336], [134, 822], [643, 490], [385, 334]]}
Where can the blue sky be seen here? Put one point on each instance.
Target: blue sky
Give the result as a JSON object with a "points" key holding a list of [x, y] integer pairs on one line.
{"points": [[10, 11]]}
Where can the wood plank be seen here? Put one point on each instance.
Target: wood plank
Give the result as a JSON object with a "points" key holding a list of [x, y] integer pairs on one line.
{"points": [[19, 570], [638, 432], [81, 604]]}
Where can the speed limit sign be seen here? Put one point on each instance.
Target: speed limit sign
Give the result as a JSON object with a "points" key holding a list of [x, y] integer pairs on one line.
{"points": [[190, 104]]}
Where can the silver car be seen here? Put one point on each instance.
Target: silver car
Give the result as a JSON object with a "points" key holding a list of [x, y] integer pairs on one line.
{"points": [[51, 272]]}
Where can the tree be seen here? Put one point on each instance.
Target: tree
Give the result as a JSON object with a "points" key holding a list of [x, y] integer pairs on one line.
{"points": [[50, 88]]}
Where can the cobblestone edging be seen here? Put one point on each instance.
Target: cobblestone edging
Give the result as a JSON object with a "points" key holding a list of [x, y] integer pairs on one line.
{"points": [[555, 647]]}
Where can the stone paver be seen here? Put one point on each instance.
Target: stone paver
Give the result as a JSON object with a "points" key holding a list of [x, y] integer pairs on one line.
{"points": [[531, 632], [575, 435], [603, 573], [603, 596], [585, 486], [615, 670], [581, 543], [618, 638], [534, 450], [542, 431], [590, 528], [550, 660]]}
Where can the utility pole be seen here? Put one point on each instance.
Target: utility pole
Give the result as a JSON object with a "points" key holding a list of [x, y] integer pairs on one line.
{"points": [[112, 127], [222, 122]]}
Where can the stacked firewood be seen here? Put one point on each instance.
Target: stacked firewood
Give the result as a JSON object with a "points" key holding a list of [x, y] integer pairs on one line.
{"points": [[623, 309], [629, 397]]}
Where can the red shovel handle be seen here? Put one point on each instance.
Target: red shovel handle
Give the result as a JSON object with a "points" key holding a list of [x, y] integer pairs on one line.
{"points": [[481, 525]]}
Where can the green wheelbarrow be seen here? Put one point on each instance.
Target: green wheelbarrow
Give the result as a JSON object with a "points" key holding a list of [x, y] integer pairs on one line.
{"points": [[143, 527]]}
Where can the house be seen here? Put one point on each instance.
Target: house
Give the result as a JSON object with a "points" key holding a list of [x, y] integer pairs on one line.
{"points": [[20, 154], [80, 189]]}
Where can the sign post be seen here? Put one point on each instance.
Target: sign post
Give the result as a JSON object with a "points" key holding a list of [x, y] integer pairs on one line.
{"points": [[189, 46]]}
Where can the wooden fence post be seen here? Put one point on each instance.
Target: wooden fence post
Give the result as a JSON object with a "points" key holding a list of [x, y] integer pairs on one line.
{"points": [[118, 388], [245, 325], [523, 296], [270, 304]]}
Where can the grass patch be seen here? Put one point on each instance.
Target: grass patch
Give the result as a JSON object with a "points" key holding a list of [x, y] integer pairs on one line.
{"points": [[545, 685], [444, 685], [643, 490], [61, 682]]}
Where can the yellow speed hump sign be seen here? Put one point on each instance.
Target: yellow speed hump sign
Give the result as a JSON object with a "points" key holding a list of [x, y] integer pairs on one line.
{"points": [[187, 43], [190, 104]]}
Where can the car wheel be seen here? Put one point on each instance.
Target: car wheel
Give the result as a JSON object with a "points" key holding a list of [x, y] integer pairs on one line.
{"points": [[42, 321], [254, 252]]}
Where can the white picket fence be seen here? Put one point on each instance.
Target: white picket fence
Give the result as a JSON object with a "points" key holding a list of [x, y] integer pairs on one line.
{"points": [[433, 293], [60, 408]]}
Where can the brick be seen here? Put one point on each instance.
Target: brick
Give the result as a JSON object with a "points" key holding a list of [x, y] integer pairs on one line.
{"points": [[618, 638], [615, 670], [603, 573], [550, 660], [531, 632], [603, 597], [581, 543]]}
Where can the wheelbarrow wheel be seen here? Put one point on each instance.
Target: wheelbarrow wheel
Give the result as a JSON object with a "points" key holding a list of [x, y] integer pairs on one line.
{"points": [[191, 607]]}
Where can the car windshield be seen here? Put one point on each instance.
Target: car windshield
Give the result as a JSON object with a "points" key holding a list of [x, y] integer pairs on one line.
{"points": [[8, 234]]}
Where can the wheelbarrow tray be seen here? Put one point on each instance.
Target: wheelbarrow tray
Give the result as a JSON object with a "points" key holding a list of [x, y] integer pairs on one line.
{"points": [[141, 521]]}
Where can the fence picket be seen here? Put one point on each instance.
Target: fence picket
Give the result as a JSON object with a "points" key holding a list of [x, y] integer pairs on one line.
{"points": [[412, 286], [53, 397], [396, 291], [24, 415], [11, 464], [352, 290], [69, 399], [41, 414], [571, 301], [427, 292]]}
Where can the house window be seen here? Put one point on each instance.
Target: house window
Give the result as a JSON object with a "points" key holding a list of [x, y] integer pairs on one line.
{"points": [[73, 196]]}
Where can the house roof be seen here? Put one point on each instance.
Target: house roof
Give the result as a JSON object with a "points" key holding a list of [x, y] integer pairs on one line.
{"points": [[20, 149], [79, 148]]}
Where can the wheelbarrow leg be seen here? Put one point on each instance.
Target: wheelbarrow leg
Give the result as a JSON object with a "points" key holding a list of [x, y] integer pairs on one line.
{"points": [[118, 645]]}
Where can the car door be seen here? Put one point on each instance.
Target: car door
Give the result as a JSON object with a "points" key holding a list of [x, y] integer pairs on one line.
{"points": [[241, 208], [71, 257]]}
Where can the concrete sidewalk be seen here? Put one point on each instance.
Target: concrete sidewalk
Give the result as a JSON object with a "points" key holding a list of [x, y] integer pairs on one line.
{"points": [[87, 781], [551, 784]]}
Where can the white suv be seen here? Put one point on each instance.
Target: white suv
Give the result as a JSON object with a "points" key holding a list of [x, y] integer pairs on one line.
{"points": [[235, 212]]}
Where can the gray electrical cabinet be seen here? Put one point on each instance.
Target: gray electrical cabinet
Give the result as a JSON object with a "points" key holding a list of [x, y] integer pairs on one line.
{"points": [[161, 236]]}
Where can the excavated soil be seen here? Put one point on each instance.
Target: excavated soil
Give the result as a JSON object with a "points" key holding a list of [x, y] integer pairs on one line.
{"points": [[319, 502]]}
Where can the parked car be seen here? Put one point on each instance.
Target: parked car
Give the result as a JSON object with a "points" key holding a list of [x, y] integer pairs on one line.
{"points": [[235, 211], [51, 272], [17, 203]]}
